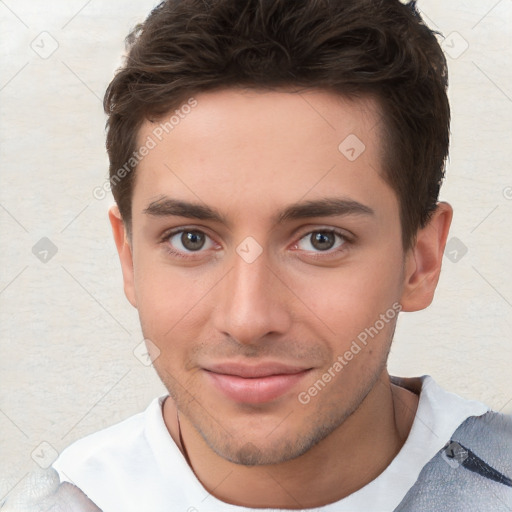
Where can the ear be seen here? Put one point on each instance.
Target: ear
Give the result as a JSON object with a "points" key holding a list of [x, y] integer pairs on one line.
{"points": [[423, 261], [125, 252]]}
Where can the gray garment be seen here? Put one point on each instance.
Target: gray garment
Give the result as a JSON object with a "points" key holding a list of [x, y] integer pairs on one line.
{"points": [[472, 473]]}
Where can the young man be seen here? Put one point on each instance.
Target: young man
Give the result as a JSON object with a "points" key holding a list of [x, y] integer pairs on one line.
{"points": [[276, 169]]}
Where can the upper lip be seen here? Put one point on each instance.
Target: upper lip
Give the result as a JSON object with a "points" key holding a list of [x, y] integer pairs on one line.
{"points": [[254, 371]]}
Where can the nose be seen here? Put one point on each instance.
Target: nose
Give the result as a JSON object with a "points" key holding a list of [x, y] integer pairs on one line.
{"points": [[252, 303]]}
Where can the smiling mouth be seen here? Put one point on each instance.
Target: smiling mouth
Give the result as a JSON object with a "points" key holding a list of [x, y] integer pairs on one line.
{"points": [[255, 384]]}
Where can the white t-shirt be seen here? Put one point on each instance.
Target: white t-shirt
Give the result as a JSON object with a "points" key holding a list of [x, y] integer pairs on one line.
{"points": [[136, 465]]}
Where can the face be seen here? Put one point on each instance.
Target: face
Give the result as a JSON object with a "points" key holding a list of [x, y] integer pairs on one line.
{"points": [[265, 245]]}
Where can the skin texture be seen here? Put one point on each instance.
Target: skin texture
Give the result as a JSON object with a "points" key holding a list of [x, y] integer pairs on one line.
{"points": [[249, 155]]}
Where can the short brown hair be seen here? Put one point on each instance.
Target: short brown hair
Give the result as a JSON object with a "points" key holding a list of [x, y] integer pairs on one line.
{"points": [[377, 48]]}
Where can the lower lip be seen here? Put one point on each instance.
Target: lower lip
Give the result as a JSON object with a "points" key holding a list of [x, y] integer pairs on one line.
{"points": [[255, 390]]}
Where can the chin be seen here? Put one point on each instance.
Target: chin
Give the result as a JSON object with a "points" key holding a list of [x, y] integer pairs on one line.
{"points": [[254, 451]]}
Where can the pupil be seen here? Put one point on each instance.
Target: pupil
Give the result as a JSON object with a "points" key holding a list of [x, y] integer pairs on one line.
{"points": [[323, 241], [192, 240]]}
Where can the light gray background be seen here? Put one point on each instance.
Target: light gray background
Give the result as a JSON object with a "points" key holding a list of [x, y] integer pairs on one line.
{"points": [[67, 332]]}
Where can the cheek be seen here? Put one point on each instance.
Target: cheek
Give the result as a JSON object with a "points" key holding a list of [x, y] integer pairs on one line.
{"points": [[170, 299], [350, 299]]}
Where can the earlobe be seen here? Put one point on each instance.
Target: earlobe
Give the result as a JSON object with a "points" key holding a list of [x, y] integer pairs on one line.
{"points": [[124, 250], [423, 261]]}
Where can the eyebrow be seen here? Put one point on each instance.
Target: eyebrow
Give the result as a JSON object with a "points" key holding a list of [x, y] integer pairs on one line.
{"points": [[326, 207]]}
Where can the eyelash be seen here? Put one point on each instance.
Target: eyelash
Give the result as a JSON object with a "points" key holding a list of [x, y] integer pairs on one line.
{"points": [[347, 241], [169, 234], [324, 255]]}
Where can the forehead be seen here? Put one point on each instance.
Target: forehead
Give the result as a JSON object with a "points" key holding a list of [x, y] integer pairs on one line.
{"points": [[252, 150]]}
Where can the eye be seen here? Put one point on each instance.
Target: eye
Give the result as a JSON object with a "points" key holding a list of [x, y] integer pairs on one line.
{"points": [[188, 240], [322, 241]]}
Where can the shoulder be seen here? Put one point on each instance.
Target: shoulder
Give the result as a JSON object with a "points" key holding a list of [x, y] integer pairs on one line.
{"points": [[110, 436], [489, 438], [472, 472], [112, 466], [115, 443], [488, 431]]}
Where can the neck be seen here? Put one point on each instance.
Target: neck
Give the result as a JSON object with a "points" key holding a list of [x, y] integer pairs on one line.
{"points": [[349, 458]]}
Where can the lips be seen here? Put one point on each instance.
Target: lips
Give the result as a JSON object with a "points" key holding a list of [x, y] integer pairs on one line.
{"points": [[254, 384]]}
